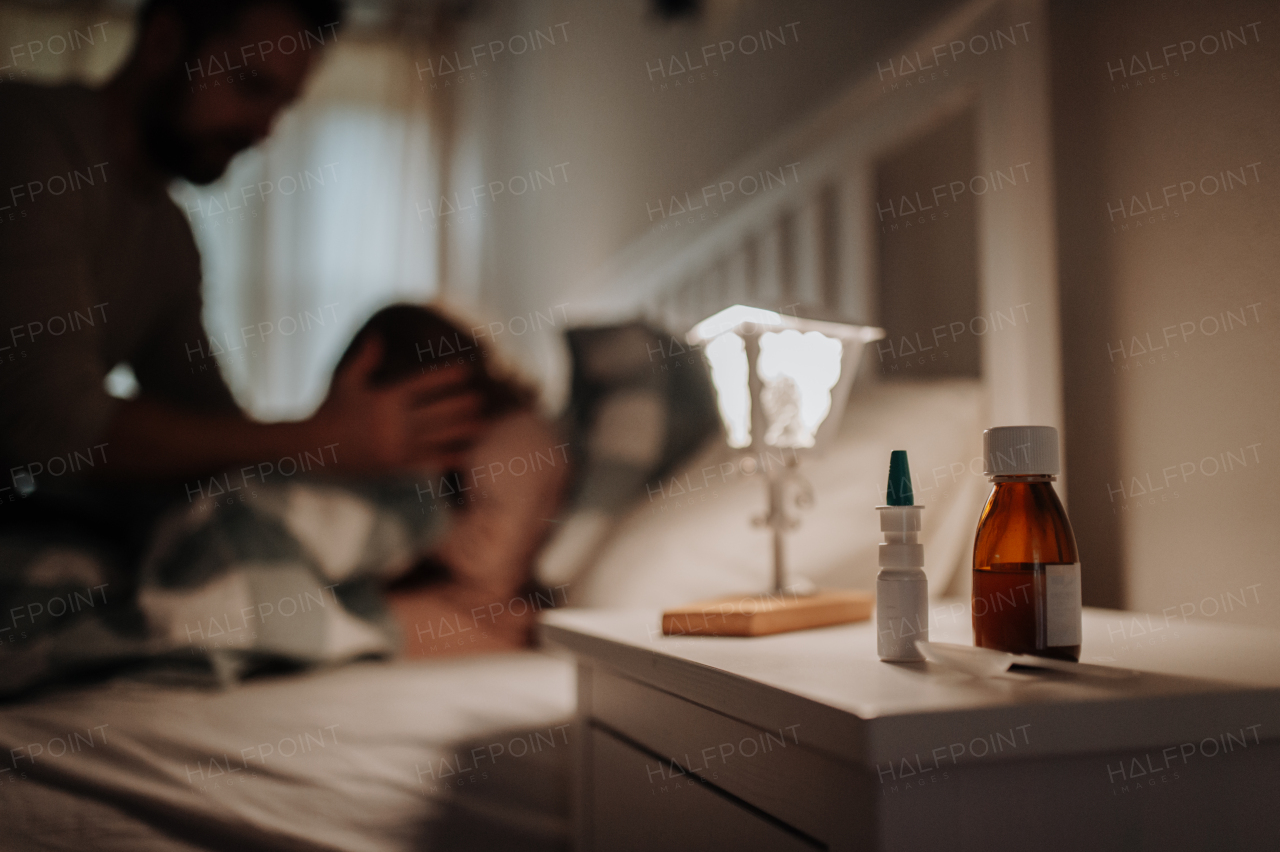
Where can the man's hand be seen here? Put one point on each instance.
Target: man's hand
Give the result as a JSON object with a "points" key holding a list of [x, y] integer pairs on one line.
{"points": [[427, 420]]}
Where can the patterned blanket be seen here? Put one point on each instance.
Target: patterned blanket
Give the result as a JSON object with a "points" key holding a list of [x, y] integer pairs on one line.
{"points": [[287, 577]]}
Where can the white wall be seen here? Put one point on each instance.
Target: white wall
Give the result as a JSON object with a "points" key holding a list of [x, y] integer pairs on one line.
{"points": [[594, 104], [590, 103], [1195, 538]]}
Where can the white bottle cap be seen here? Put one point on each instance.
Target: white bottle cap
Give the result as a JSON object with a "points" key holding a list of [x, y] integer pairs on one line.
{"points": [[1020, 450], [901, 526]]}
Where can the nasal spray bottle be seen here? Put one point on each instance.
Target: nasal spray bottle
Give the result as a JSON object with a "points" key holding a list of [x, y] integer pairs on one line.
{"points": [[902, 589]]}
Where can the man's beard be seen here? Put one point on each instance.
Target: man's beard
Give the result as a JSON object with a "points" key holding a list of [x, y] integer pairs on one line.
{"points": [[177, 153]]}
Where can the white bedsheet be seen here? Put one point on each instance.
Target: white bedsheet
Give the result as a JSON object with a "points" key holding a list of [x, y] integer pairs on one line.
{"points": [[471, 753]]}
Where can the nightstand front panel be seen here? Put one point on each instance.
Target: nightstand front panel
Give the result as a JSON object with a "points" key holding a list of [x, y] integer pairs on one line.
{"points": [[773, 770], [637, 806]]}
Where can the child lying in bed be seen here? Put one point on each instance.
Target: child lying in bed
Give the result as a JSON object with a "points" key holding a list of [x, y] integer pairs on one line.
{"points": [[250, 570], [474, 591]]}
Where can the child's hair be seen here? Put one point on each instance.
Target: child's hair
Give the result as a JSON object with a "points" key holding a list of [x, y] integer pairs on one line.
{"points": [[418, 339]]}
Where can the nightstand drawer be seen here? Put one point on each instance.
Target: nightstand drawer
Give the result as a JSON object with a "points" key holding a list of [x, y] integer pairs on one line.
{"points": [[633, 808], [772, 770]]}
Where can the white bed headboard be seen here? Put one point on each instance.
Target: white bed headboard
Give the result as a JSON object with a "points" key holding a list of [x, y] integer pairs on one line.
{"points": [[810, 238]]}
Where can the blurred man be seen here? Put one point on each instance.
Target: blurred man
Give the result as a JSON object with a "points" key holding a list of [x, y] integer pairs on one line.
{"points": [[98, 266]]}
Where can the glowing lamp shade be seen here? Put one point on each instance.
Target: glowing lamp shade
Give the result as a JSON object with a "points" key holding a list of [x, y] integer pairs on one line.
{"points": [[779, 378], [730, 373], [798, 372]]}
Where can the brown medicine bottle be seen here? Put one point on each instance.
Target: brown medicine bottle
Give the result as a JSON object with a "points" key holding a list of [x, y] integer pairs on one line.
{"points": [[1026, 574]]}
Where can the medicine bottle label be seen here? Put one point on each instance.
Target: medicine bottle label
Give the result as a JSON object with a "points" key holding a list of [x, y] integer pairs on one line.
{"points": [[1062, 605]]}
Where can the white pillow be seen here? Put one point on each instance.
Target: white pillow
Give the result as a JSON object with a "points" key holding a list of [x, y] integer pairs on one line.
{"points": [[693, 538]]}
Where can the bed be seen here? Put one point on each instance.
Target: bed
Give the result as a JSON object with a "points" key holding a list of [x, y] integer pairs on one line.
{"points": [[468, 753], [471, 752]]}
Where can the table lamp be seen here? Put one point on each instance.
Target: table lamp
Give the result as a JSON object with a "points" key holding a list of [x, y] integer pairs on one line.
{"points": [[781, 384]]}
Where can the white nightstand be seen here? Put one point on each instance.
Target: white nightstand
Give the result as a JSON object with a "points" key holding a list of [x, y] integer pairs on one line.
{"points": [[807, 741]]}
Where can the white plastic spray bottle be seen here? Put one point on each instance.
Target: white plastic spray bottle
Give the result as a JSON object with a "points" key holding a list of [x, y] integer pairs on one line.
{"points": [[902, 589]]}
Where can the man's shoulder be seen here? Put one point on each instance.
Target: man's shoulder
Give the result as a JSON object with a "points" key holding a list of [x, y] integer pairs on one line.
{"points": [[24, 103], [45, 122]]}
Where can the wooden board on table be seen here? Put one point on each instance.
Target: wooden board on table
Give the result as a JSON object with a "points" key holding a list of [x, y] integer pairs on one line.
{"points": [[761, 615]]}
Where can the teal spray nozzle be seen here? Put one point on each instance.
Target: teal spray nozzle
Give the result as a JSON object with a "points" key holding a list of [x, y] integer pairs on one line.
{"points": [[898, 492]]}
